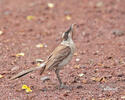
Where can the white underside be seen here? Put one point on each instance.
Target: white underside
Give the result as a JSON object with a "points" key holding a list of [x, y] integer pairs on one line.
{"points": [[69, 43]]}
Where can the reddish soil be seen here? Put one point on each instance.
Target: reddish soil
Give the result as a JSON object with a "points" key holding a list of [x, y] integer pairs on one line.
{"points": [[100, 48]]}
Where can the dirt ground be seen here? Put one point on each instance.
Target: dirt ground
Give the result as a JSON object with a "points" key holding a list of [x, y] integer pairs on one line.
{"points": [[97, 70]]}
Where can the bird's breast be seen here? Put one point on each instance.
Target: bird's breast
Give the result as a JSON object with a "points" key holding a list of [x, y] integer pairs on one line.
{"points": [[66, 60]]}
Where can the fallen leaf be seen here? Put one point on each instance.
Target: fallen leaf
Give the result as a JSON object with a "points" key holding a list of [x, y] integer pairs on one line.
{"points": [[68, 17], [100, 64], [19, 54], [39, 45], [103, 79], [98, 79], [30, 17], [84, 81], [26, 88], [76, 66], [1, 76], [50, 5]]}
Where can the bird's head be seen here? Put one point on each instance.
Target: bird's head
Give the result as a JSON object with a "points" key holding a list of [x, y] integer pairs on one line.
{"points": [[69, 33]]}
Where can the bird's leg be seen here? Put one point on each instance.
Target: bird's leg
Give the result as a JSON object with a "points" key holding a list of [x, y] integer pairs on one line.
{"points": [[57, 75], [59, 79]]}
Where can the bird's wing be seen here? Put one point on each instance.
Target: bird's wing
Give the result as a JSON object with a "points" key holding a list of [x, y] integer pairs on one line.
{"points": [[58, 55]]}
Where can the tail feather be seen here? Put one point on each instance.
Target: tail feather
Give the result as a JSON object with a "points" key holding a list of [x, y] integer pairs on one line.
{"points": [[28, 71]]}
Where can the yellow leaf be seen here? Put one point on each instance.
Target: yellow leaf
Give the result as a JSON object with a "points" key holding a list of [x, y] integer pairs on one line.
{"points": [[68, 17], [19, 54], [39, 45], [1, 76], [50, 5], [30, 17], [26, 88]]}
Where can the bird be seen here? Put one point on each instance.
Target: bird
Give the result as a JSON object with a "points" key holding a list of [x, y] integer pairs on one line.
{"points": [[56, 61]]}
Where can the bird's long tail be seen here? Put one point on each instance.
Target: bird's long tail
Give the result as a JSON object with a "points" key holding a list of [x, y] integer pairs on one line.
{"points": [[42, 66]]}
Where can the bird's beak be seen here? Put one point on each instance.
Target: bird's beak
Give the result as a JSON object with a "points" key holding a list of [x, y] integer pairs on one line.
{"points": [[70, 30]]}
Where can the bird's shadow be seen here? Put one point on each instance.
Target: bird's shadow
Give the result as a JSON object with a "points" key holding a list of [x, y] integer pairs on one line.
{"points": [[57, 88]]}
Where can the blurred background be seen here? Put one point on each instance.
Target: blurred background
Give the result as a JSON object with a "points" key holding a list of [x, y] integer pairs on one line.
{"points": [[31, 29]]}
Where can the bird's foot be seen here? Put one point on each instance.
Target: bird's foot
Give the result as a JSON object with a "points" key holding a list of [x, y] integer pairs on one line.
{"points": [[63, 86]]}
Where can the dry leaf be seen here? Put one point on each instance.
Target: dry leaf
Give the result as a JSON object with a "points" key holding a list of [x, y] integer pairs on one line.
{"points": [[50, 5], [103, 79], [98, 79], [100, 65], [76, 66], [68, 17], [1, 76], [84, 81], [39, 45], [30, 17], [19, 54]]}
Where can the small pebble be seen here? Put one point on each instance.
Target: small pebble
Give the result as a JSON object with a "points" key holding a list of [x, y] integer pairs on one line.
{"points": [[79, 87], [77, 59], [1, 32], [44, 78], [81, 74], [118, 32], [122, 97], [50, 5], [45, 45], [107, 88], [15, 68], [39, 60], [99, 4], [82, 66]]}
